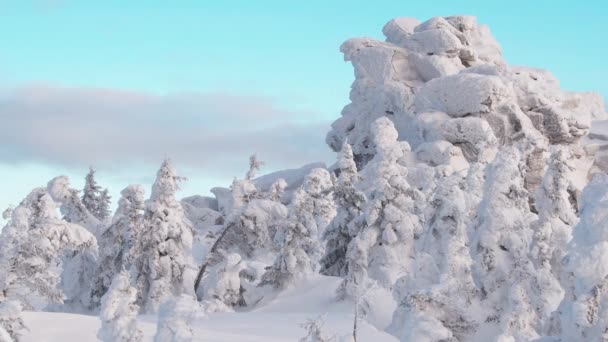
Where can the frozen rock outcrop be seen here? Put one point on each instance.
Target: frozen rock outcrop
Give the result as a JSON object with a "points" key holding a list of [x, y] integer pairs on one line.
{"points": [[445, 80], [470, 227]]}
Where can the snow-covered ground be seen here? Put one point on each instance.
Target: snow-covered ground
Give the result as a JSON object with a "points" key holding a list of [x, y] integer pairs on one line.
{"points": [[280, 320]]}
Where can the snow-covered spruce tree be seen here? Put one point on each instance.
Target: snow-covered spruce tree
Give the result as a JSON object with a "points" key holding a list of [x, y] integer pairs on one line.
{"points": [[167, 244], [253, 217], [347, 222], [78, 267], [71, 206], [299, 247], [32, 267], [175, 319], [244, 229], [314, 331], [254, 166], [502, 268], [584, 309], [435, 299], [120, 244], [556, 206], [6, 214], [384, 248], [223, 290], [96, 200], [119, 312], [103, 211], [91, 192], [11, 237], [277, 189], [11, 322], [241, 227], [311, 208], [318, 188]]}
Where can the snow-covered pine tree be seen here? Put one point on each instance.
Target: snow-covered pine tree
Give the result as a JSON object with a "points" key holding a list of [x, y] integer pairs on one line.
{"points": [[502, 268], [253, 216], [556, 206], [318, 188], [384, 248], [435, 299], [243, 228], [103, 210], [347, 221], [71, 206], [119, 312], [584, 309], [39, 239], [120, 244], [11, 237], [277, 189], [254, 166], [167, 244], [300, 249], [314, 331], [224, 290], [298, 246], [11, 322], [96, 200], [251, 223], [6, 214], [175, 319], [91, 192], [78, 267]]}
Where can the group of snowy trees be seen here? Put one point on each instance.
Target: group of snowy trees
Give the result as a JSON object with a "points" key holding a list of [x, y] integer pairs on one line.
{"points": [[141, 261], [459, 263], [135, 263], [146, 260], [269, 239], [462, 266]]}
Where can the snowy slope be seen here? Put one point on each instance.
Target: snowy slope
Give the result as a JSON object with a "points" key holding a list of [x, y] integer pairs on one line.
{"points": [[277, 322]]}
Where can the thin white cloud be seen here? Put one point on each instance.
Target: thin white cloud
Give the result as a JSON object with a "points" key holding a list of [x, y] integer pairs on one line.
{"points": [[110, 128]]}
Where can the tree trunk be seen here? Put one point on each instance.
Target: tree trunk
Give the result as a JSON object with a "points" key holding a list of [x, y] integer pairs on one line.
{"points": [[355, 322], [203, 268]]}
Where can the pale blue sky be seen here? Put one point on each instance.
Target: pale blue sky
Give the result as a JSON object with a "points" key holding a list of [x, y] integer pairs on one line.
{"points": [[279, 57]]}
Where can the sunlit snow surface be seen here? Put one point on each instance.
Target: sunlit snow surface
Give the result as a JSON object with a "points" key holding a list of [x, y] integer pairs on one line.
{"points": [[278, 321]]}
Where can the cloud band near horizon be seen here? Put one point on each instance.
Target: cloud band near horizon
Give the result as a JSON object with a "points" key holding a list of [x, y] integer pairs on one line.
{"points": [[112, 128]]}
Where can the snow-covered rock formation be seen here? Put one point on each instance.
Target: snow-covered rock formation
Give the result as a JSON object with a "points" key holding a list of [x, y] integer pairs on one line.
{"points": [[479, 205], [450, 94]]}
